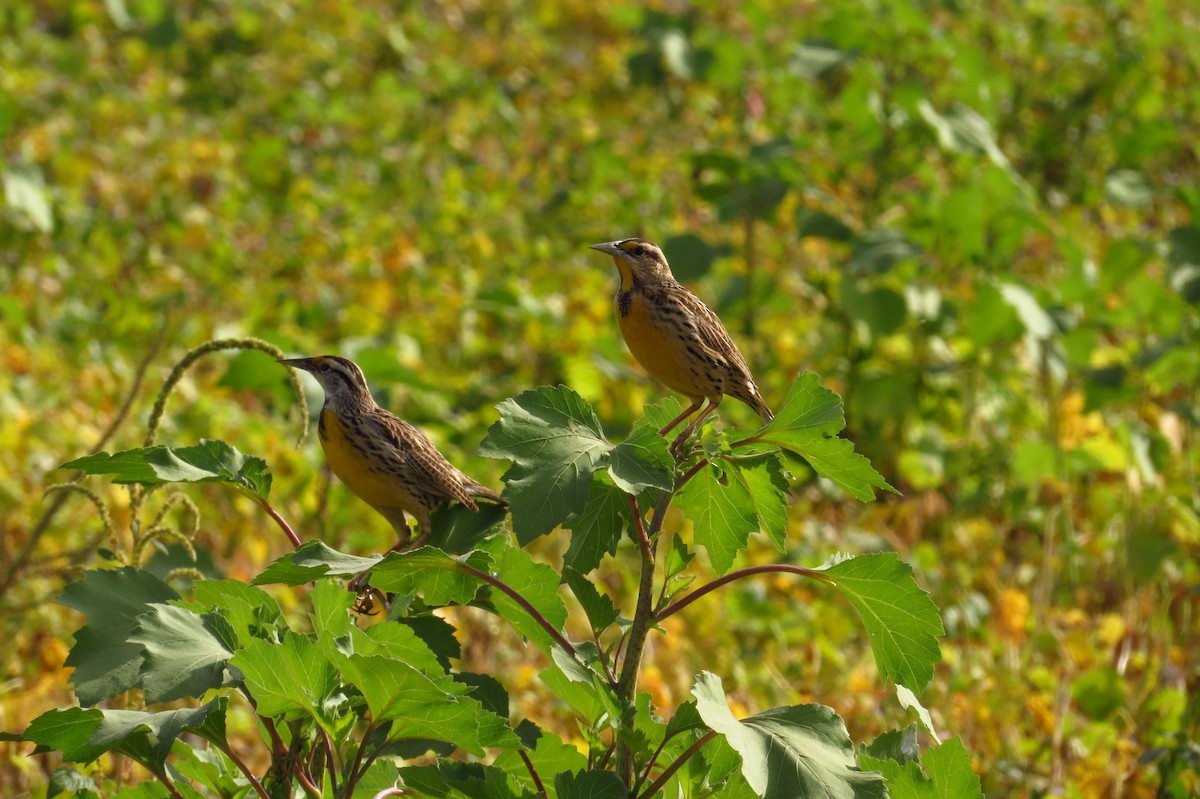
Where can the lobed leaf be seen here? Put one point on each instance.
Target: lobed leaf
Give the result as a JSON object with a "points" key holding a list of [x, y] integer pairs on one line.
{"points": [[797, 751], [808, 423], [184, 653], [555, 443], [210, 461], [902, 622]]}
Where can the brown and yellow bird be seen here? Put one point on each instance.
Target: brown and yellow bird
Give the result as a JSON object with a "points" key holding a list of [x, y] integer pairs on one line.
{"points": [[676, 337], [388, 463]]}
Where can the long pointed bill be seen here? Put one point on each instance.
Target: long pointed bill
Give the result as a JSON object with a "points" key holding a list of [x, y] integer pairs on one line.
{"points": [[608, 247], [298, 363]]}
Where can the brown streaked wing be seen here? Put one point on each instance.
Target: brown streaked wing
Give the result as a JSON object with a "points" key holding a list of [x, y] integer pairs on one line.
{"points": [[415, 456]]}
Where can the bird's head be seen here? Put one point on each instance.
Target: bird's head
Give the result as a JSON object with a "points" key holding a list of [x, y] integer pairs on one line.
{"points": [[341, 378], [638, 261]]}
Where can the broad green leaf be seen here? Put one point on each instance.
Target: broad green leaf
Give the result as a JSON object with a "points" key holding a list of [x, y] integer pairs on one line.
{"points": [[590, 785], [554, 440], [289, 680], [252, 612], [535, 582], [422, 706], [184, 653], [487, 691], [457, 529], [818, 224], [331, 604], [209, 461], [764, 483], [797, 751], [947, 774], [902, 622], [439, 578], [82, 735], [910, 701], [71, 781], [597, 529], [599, 608], [106, 662], [437, 634], [722, 513], [397, 641], [312, 561], [643, 460], [548, 753], [448, 779], [898, 745], [808, 423]]}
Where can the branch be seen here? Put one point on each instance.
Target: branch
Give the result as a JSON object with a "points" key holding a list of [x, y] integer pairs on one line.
{"points": [[287, 529], [675, 607], [643, 541], [165, 780], [670, 770], [523, 602], [533, 773], [237, 761]]}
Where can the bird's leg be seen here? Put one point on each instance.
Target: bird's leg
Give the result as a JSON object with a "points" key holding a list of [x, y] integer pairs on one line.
{"points": [[695, 406], [677, 444], [424, 530]]}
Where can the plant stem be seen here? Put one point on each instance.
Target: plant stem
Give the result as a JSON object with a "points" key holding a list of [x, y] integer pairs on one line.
{"points": [[523, 602], [237, 761], [675, 607], [353, 775], [287, 528], [533, 773], [675, 766], [165, 780]]}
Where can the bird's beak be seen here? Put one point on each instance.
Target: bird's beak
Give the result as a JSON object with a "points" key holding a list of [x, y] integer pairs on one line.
{"points": [[608, 247], [298, 363]]}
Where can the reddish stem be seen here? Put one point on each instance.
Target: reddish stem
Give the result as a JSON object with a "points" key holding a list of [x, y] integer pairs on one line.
{"points": [[287, 529], [675, 607]]}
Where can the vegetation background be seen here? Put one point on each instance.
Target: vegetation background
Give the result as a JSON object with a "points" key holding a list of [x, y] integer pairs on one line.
{"points": [[977, 222]]}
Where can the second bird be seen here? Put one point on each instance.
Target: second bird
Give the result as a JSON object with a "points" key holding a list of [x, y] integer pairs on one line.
{"points": [[675, 337], [388, 463]]}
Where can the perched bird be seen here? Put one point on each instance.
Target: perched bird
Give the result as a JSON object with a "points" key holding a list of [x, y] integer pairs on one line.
{"points": [[388, 463], [676, 337]]}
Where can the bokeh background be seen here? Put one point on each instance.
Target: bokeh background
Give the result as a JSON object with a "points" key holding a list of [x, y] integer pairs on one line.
{"points": [[976, 221]]}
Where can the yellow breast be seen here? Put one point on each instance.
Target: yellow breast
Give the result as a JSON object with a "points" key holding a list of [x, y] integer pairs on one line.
{"points": [[345, 454], [656, 342]]}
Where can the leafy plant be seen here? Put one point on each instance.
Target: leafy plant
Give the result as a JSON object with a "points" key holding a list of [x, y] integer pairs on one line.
{"points": [[345, 711]]}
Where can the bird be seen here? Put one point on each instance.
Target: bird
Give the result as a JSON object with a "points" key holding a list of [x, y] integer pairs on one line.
{"points": [[676, 337], [385, 461]]}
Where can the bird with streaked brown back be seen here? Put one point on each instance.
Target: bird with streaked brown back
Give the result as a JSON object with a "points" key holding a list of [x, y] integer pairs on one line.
{"points": [[384, 460], [676, 337]]}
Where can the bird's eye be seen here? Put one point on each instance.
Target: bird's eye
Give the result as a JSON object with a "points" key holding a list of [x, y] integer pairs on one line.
{"points": [[639, 251]]}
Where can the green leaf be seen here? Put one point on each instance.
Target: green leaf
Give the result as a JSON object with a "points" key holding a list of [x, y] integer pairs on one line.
{"points": [[803, 750], [548, 753], [457, 529], [289, 680], [880, 309], [910, 701], [439, 578], [599, 608], [106, 662], [808, 423], [537, 583], [331, 604], [82, 735], [397, 641], [184, 652], [722, 512], [252, 612], [898, 745], [764, 484], [643, 460], [312, 561], [555, 442], [210, 461], [949, 774], [597, 529], [419, 705], [902, 622], [68, 780], [1099, 692], [590, 785], [448, 779]]}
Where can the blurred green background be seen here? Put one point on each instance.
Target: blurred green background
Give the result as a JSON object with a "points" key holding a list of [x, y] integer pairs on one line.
{"points": [[977, 221]]}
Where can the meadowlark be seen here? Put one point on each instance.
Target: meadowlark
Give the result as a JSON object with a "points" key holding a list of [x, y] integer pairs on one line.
{"points": [[384, 460], [676, 337]]}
